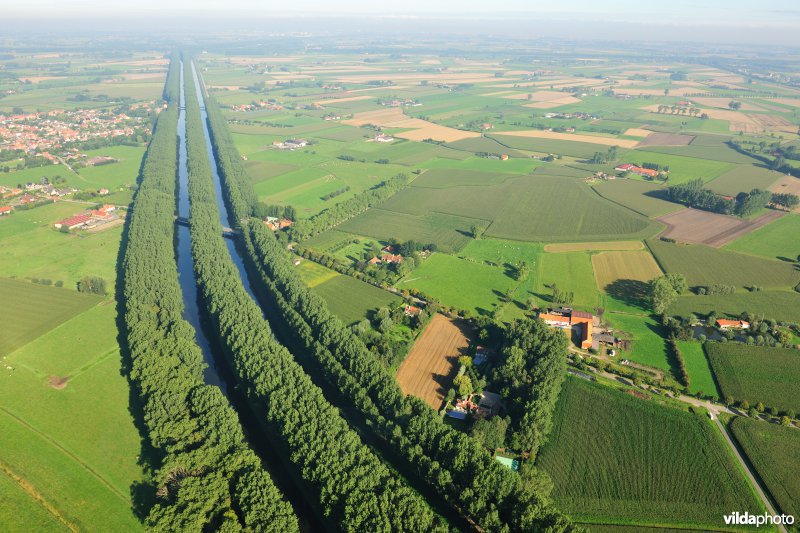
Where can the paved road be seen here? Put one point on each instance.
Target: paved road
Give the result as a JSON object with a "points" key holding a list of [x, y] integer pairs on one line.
{"points": [[764, 499]]}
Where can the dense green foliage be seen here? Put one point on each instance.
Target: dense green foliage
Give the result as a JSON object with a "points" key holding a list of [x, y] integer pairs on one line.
{"points": [[775, 453], [356, 490], [615, 458], [203, 458], [534, 360], [449, 461], [694, 194], [757, 374]]}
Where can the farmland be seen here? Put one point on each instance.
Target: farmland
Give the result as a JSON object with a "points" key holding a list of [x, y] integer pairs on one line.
{"points": [[757, 374], [774, 451], [778, 305], [775, 241], [666, 468], [593, 246], [744, 178], [700, 374], [706, 266], [612, 266], [647, 345], [640, 196], [712, 229], [352, 300], [427, 369]]}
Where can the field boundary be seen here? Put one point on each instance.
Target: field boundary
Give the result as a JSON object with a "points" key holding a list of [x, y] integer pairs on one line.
{"points": [[31, 491]]}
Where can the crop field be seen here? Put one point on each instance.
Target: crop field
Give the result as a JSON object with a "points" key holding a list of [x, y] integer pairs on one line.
{"points": [[778, 305], [352, 300], [449, 232], [665, 139], [706, 266], [612, 266], [570, 271], [460, 283], [666, 468], [700, 227], [773, 450], [682, 168], [777, 240], [427, 370], [639, 196], [757, 374], [593, 246], [30, 310], [701, 377], [570, 137], [442, 178], [787, 185], [546, 146], [52, 421], [744, 178]]}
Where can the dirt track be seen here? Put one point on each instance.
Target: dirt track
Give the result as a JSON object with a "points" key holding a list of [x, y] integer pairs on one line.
{"points": [[427, 370]]}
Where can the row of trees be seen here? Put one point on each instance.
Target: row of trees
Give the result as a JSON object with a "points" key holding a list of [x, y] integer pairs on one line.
{"points": [[694, 194], [452, 463], [529, 377], [675, 351], [355, 490], [205, 475]]}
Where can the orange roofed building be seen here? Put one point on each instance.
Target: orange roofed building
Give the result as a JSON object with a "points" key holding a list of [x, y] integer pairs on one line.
{"points": [[724, 323], [568, 319]]}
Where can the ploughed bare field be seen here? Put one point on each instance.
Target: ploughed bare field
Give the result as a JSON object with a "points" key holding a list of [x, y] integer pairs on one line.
{"points": [[711, 229], [428, 369]]}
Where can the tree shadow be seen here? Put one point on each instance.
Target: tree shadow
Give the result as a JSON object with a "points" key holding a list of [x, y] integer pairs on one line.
{"points": [[630, 291]]}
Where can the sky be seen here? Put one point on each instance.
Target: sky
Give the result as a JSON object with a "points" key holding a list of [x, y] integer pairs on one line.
{"points": [[755, 19]]}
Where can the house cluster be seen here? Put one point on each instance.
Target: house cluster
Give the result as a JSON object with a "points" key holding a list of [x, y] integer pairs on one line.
{"points": [[39, 133], [580, 115], [32, 193], [276, 224], [634, 169], [408, 102], [88, 219], [332, 116], [387, 256], [569, 319], [290, 144], [383, 138], [256, 106], [485, 405], [44, 188]]}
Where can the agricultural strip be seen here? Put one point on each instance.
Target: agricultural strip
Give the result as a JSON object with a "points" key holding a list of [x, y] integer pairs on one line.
{"points": [[778, 305], [778, 240], [615, 458], [612, 266], [427, 369], [757, 374], [743, 178], [637, 195], [592, 246]]}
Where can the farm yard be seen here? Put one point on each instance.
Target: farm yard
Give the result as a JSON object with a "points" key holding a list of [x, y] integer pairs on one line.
{"points": [[644, 463], [757, 374], [427, 370]]}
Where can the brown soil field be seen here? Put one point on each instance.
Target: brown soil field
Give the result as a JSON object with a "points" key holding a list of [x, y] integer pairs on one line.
{"points": [[344, 99], [722, 103], [594, 139], [427, 370], [787, 101], [787, 184], [593, 246], [37, 79], [554, 103], [611, 266], [638, 132], [774, 123], [666, 139], [712, 229], [419, 130]]}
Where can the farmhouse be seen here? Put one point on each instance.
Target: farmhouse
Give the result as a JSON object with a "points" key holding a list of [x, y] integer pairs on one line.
{"points": [[634, 169], [490, 404], [275, 224], [481, 355], [6, 210], [412, 311], [382, 138], [73, 222], [724, 323], [290, 144], [392, 258], [569, 319]]}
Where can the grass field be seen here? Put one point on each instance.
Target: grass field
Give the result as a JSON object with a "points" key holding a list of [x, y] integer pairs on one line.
{"points": [[615, 458], [701, 377], [777, 240], [460, 283], [352, 300], [638, 196], [706, 266], [610, 267], [647, 346], [743, 178], [570, 271], [30, 247], [683, 169], [73, 444], [773, 450], [757, 374], [114, 175], [778, 305], [30, 310]]}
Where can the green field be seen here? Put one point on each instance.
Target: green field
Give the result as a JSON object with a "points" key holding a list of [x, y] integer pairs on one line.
{"points": [[615, 458], [460, 283], [701, 377], [743, 178], [706, 266], [774, 451], [352, 300], [571, 271], [647, 346], [76, 446], [114, 175], [30, 310], [777, 240], [637, 195], [683, 169], [449, 232], [30, 247], [757, 374], [778, 305]]}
